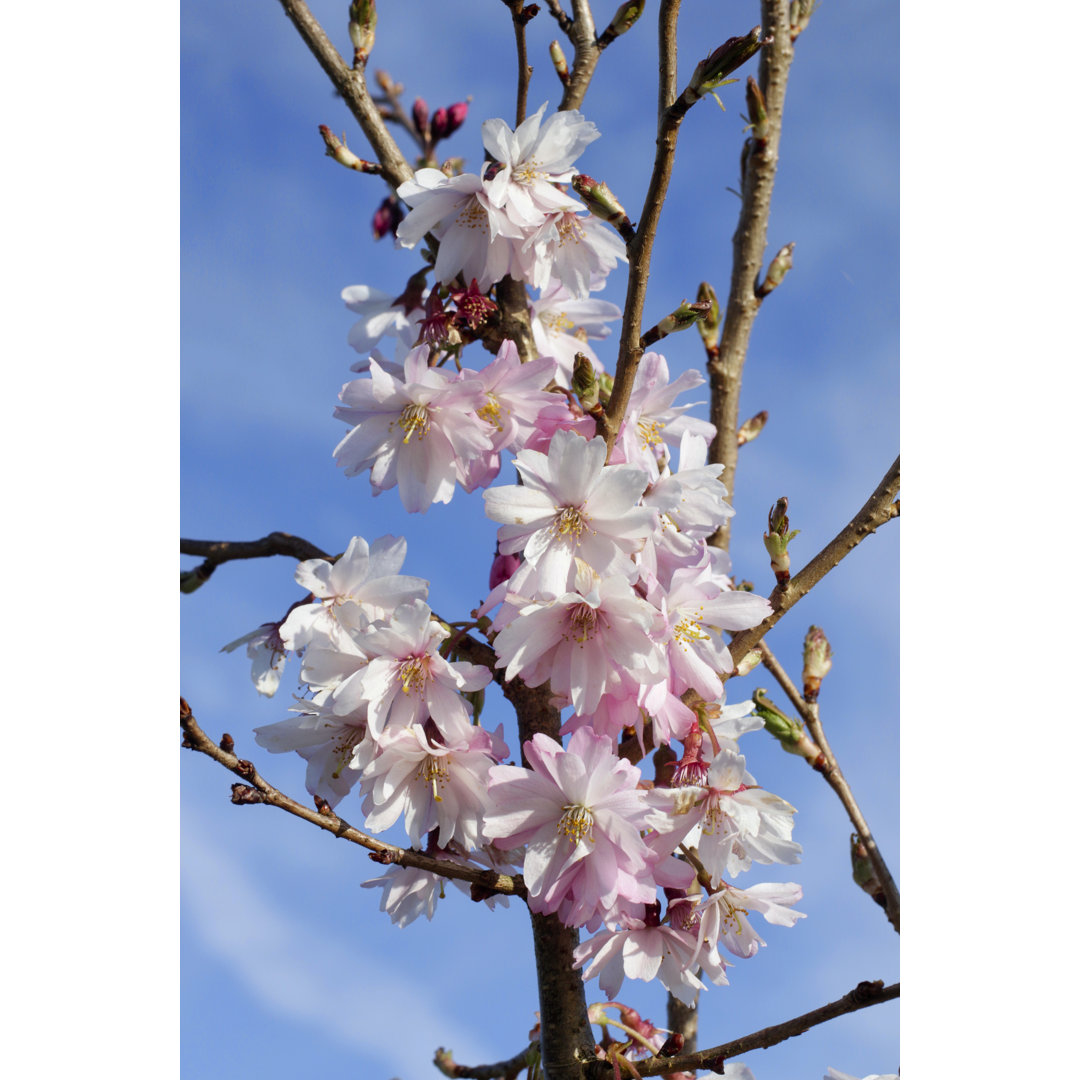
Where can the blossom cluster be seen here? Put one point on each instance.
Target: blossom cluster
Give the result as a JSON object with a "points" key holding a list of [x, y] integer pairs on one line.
{"points": [[604, 589]]}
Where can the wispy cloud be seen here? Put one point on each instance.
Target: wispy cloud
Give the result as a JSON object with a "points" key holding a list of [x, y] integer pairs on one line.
{"points": [[305, 970]]}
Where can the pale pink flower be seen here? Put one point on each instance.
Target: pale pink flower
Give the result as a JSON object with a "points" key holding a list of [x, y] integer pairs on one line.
{"points": [[364, 575], [571, 506], [585, 645], [267, 653], [412, 432], [407, 680], [724, 916], [536, 157], [433, 782], [380, 315], [580, 813], [578, 250], [476, 238], [563, 324]]}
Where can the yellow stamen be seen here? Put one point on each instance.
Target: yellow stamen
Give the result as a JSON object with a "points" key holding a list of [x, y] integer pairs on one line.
{"points": [[413, 674], [413, 419], [576, 822], [434, 771]]}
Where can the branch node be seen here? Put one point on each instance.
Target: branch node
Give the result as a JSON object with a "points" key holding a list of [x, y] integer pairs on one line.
{"points": [[242, 795]]}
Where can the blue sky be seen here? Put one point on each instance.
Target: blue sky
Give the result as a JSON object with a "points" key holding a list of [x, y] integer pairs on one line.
{"points": [[288, 965]]}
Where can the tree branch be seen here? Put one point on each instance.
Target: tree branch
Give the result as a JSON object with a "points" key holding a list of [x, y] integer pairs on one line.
{"points": [[830, 770], [501, 1070], [566, 24], [669, 64], [352, 86], [725, 370], [878, 509], [863, 996], [582, 34], [523, 69], [196, 739], [639, 250]]}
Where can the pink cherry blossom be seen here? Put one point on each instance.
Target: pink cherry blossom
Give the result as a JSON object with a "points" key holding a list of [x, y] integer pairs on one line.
{"points": [[581, 814]]}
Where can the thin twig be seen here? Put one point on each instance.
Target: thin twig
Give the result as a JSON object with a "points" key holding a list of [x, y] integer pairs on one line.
{"points": [[353, 89], [566, 24], [725, 371], [834, 776], [196, 739], [445, 1063], [669, 61], [582, 33], [639, 250], [878, 509], [863, 996], [524, 72]]}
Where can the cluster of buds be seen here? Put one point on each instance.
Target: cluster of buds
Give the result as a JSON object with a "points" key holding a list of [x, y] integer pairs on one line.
{"points": [[777, 539], [778, 268], [600, 200], [682, 318], [387, 217]]}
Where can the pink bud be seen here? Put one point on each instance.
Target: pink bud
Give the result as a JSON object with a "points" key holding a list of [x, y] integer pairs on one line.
{"points": [[420, 115], [446, 121], [502, 569], [387, 218]]}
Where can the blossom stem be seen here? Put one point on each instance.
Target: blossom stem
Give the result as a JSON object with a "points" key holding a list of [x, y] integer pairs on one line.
{"points": [[258, 790], [863, 996], [725, 369], [833, 775], [582, 33]]}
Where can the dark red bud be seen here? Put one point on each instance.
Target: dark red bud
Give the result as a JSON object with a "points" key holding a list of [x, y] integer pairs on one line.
{"points": [[420, 115]]}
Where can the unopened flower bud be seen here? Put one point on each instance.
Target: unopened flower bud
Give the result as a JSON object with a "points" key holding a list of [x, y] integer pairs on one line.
{"points": [[446, 121], [709, 326], [387, 218], [750, 429], [599, 199], [621, 21], [714, 69], [748, 662], [799, 15], [863, 872], [584, 382], [780, 265], [558, 59], [190, 580], [816, 661], [756, 112], [789, 732], [777, 539], [421, 116], [362, 20], [337, 149], [682, 318]]}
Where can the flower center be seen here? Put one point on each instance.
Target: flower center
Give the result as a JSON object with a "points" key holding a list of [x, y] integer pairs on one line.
{"points": [[570, 230], [473, 216], [526, 172], [576, 822], [491, 412], [413, 419], [570, 521], [688, 630], [581, 623], [434, 771], [650, 430], [729, 916], [413, 674], [557, 322]]}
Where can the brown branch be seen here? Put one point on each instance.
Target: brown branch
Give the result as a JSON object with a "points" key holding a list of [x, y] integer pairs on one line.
{"points": [[258, 790], [582, 34], [639, 250], [878, 509], [669, 63], [863, 996], [725, 370], [683, 1019], [830, 770], [501, 1070], [352, 86], [524, 72], [566, 24]]}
